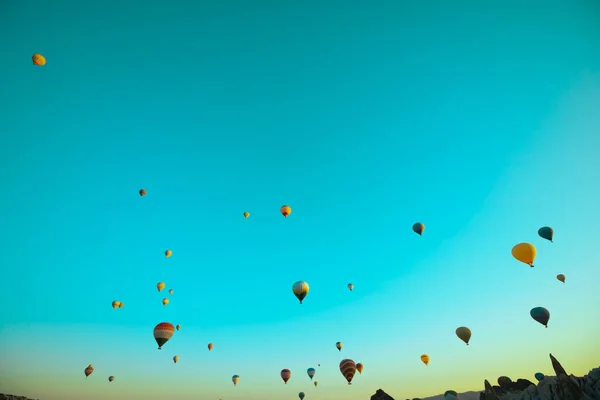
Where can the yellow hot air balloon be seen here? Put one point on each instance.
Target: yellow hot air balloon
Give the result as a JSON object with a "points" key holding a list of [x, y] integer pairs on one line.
{"points": [[210, 346], [561, 278], [246, 214], [168, 253], [116, 304], [160, 286], [38, 60], [170, 291], [339, 345], [300, 290], [235, 379], [463, 334], [111, 378], [121, 304], [178, 327], [175, 359], [165, 301], [524, 252], [316, 383], [285, 211], [425, 359]]}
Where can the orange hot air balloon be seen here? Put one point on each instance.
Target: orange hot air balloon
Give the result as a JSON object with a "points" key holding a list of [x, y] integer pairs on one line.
{"points": [[178, 327], [210, 346], [116, 304], [359, 368], [88, 371], [38, 60], [348, 369], [165, 301], [160, 286], [285, 210], [142, 192], [425, 359], [246, 214], [168, 253], [561, 278], [111, 378], [286, 374]]}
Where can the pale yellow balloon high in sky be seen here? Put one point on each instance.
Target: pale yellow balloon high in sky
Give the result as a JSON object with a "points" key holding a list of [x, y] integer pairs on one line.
{"points": [[160, 286], [524, 252], [168, 253], [165, 301]]}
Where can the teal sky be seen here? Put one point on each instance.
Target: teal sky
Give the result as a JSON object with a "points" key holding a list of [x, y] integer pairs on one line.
{"points": [[480, 119]]}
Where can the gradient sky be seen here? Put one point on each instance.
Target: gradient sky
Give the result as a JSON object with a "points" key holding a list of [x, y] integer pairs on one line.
{"points": [[480, 119]]}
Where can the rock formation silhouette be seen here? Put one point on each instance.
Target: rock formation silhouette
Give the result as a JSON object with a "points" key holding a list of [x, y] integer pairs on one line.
{"points": [[12, 397], [381, 395]]}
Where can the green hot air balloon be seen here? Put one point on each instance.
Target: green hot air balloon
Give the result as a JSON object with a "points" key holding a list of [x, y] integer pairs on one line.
{"points": [[541, 315], [301, 395], [546, 232]]}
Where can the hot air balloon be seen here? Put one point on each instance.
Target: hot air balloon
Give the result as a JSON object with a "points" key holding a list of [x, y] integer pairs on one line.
{"points": [[339, 345], [561, 278], [210, 346], [450, 395], [165, 301], [350, 286], [88, 371], [541, 315], [38, 60], [301, 395], [464, 334], [160, 286], [286, 374], [175, 359], [504, 380], [235, 379], [115, 304], [168, 253], [111, 378], [142, 192], [539, 376], [359, 368], [121, 304], [525, 253], [162, 333], [300, 289], [170, 291], [316, 383], [425, 359], [311, 373], [348, 369], [178, 327], [546, 233], [418, 228], [285, 210], [318, 365], [246, 214]]}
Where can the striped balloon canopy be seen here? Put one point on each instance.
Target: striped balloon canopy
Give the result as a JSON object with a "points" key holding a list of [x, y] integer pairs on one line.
{"points": [[348, 369], [162, 333]]}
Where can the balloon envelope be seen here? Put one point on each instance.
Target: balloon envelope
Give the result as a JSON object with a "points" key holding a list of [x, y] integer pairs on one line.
{"points": [[359, 368], [418, 228], [524, 252], [425, 359], [339, 345], [541, 315], [286, 375], [561, 278], [504, 380], [300, 290], [285, 210], [235, 379], [311, 372], [539, 376], [162, 333], [38, 60], [546, 233], [463, 334], [348, 369]]}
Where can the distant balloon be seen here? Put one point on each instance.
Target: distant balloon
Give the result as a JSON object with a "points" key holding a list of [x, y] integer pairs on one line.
{"points": [[504, 380], [541, 315], [450, 395], [121, 304], [168, 253], [210, 346], [160, 286], [539, 376], [464, 334], [178, 327], [316, 383], [38, 60], [350, 286], [318, 365], [561, 278], [88, 371], [286, 374], [246, 214], [175, 359], [300, 289], [524, 252], [165, 301], [285, 210], [116, 304], [546, 233], [111, 378], [301, 395], [348, 369], [235, 379], [339, 345], [311, 372], [142, 192], [418, 228], [162, 333], [425, 359], [170, 291], [359, 367]]}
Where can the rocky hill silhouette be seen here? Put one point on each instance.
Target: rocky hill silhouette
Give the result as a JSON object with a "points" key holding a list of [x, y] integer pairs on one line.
{"points": [[12, 397]]}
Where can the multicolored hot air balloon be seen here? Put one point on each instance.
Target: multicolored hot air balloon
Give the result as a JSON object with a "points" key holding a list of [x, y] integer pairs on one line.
{"points": [[285, 210], [316, 383], [524, 252], [168, 253], [235, 379], [464, 334], [450, 395], [286, 374], [339, 345], [546, 233], [301, 395], [359, 367], [165, 301], [178, 327], [170, 291], [418, 228], [111, 378], [311, 373], [210, 346], [175, 359], [162, 333], [561, 278], [348, 369], [88, 371], [350, 286], [160, 286], [246, 214], [38, 60], [504, 380], [541, 315], [115, 304], [425, 359], [539, 376], [300, 289], [142, 192]]}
